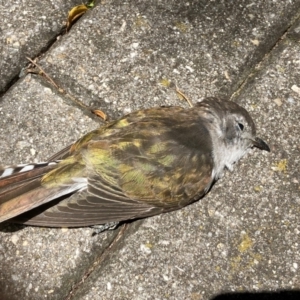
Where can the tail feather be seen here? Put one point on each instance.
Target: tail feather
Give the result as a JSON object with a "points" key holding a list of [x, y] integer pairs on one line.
{"points": [[21, 189], [22, 173], [13, 191], [35, 198]]}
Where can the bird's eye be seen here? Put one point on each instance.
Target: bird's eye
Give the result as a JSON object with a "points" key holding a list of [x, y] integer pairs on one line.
{"points": [[241, 126]]}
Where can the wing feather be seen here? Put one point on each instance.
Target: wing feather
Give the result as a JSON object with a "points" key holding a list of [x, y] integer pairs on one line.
{"points": [[144, 164]]}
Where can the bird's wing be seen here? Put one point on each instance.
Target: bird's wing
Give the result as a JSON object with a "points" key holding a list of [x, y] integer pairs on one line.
{"points": [[84, 209], [154, 167], [62, 154]]}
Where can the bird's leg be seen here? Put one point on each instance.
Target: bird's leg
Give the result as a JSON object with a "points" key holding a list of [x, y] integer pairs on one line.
{"points": [[104, 227]]}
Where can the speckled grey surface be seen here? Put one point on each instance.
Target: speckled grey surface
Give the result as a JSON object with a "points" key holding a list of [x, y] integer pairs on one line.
{"points": [[121, 51], [244, 235], [36, 122], [27, 27]]}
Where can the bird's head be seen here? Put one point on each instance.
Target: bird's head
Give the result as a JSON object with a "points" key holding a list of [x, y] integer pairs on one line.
{"points": [[232, 130]]}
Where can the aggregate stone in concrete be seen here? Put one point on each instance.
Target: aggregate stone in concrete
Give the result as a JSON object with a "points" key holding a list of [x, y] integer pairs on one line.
{"points": [[42, 263], [121, 53], [27, 28], [244, 235]]}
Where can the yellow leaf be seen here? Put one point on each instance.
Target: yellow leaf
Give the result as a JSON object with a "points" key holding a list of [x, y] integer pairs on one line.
{"points": [[100, 113], [165, 82], [280, 166], [90, 4], [257, 189], [148, 245], [246, 243], [182, 27], [75, 13]]}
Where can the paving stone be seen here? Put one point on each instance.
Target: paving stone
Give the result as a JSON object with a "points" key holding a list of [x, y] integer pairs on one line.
{"points": [[120, 53], [27, 28]]}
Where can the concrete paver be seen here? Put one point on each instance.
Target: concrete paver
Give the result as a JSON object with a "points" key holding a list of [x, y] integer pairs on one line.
{"points": [[27, 28]]}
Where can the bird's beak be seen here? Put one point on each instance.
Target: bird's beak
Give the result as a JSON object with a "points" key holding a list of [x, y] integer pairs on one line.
{"points": [[260, 144]]}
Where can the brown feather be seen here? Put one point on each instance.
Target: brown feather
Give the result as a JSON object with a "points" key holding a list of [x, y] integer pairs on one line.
{"points": [[148, 162], [112, 166]]}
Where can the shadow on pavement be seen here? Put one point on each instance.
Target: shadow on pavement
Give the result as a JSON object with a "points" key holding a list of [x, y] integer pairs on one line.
{"points": [[280, 295]]}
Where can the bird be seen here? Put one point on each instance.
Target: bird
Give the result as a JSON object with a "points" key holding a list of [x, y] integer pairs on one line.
{"points": [[147, 162]]}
